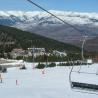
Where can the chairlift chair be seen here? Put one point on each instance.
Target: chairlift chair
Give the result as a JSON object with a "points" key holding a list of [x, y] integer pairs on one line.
{"points": [[85, 79]]}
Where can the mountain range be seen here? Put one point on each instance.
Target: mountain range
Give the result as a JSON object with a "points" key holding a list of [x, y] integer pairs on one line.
{"points": [[46, 25]]}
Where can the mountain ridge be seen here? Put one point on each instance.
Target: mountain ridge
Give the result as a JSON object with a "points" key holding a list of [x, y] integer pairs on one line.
{"points": [[46, 25], [69, 14]]}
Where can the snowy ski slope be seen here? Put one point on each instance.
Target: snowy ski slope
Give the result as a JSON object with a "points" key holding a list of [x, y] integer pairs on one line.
{"points": [[31, 83]]}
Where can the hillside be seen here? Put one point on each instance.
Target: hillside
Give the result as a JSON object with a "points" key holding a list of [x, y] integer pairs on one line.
{"points": [[14, 38], [43, 24], [92, 44]]}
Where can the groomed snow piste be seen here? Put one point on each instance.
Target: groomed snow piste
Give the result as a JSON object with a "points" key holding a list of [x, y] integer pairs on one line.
{"points": [[31, 83]]}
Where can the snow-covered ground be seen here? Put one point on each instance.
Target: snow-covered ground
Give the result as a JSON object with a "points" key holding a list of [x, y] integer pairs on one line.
{"points": [[31, 83]]}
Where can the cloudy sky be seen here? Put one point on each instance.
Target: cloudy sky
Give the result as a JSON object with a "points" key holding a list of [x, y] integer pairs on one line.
{"points": [[66, 5]]}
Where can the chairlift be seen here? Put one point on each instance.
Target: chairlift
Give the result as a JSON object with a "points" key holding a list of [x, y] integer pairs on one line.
{"points": [[84, 79]]}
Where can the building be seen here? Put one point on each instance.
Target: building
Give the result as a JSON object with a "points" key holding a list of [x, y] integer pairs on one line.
{"points": [[17, 52], [36, 51], [58, 53]]}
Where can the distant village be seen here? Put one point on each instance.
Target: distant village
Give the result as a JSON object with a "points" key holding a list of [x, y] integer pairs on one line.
{"points": [[19, 52]]}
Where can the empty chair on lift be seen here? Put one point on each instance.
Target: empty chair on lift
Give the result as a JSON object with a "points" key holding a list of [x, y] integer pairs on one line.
{"points": [[85, 78]]}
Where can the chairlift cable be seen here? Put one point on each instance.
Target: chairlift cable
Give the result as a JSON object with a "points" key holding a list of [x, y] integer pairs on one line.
{"points": [[37, 5]]}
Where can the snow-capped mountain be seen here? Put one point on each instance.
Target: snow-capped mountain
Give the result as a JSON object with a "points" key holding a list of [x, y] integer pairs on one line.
{"points": [[44, 24], [37, 17]]}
